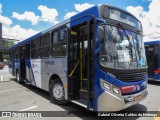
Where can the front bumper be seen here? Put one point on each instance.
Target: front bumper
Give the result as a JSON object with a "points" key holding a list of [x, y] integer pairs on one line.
{"points": [[110, 102]]}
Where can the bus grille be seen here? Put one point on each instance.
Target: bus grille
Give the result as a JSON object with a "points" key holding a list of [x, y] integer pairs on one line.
{"points": [[132, 77]]}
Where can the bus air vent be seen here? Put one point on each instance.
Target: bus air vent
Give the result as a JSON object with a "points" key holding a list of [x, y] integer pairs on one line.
{"points": [[132, 77]]}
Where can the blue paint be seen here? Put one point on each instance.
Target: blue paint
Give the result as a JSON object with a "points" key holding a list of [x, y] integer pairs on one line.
{"points": [[91, 11], [155, 76], [27, 41], [152, 42]]}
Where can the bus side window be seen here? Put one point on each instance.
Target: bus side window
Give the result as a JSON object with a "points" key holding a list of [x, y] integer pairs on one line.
{"points": [[61, 49], [59, 44], [35, 48], [62, 44], [28, 51], [44, 49], [45, 40], [55, 37], [63, 34]]}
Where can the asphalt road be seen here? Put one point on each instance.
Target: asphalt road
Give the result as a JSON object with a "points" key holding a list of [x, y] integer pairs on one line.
{"points": [[21, 97]]}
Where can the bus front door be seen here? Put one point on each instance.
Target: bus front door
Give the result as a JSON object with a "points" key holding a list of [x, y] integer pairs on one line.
{"points": [[79, 64], [151, 53]]}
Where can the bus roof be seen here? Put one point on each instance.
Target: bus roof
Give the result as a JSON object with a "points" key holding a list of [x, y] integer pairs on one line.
{"points": [[92, 10], [152, 42]]}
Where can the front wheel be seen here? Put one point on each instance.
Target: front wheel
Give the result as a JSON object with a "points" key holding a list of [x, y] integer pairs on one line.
{"points": [[57, 93]]}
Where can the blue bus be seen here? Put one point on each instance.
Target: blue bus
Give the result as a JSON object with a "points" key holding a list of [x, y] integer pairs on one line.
{"points": [[95, 59], [153, 57]]}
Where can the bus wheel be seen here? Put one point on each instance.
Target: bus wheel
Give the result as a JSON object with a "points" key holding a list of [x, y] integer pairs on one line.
{"points": [[17, 76], [56, 91]]}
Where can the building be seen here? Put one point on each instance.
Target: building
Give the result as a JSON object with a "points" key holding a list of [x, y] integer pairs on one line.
{"points": [[5, 44]]}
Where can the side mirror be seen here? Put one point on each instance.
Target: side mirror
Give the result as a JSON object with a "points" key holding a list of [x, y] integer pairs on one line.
{"points": [[100, 33]]}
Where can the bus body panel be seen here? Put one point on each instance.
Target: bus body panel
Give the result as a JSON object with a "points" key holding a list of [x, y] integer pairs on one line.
{"points": [[28, 70], [156, 55], [102, 95], [40, 71], [89, 13], [54, 66], [110, 100], [36, 76], [156, 75]]}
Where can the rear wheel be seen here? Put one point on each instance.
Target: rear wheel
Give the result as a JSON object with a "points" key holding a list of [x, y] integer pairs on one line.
{"points": [[57, 93], [17, 76]]}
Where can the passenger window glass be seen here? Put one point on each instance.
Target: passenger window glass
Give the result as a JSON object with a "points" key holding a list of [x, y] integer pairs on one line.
{"points": [[45, 40], [59, 50], [59, 46], [63, 34], [35, 43], [55, 37]]}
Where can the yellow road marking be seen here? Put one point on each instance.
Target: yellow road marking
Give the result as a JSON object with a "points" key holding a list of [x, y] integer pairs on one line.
{"points": [[158, 114]]}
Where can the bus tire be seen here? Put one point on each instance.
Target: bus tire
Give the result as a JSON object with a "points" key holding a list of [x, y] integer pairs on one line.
{"points": [[56, 91], [18, 77]]}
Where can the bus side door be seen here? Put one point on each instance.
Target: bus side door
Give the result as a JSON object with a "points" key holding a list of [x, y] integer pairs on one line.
{"points": [[28, 64], [80, 63]]}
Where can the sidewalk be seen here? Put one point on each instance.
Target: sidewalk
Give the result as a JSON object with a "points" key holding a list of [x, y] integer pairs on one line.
{"points": [[5, 75]]}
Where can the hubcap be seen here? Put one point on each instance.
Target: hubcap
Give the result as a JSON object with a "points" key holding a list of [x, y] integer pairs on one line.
{"points": [[58, 92]]}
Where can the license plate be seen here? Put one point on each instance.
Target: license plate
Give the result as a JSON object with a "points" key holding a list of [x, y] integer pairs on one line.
{"points": [[138, 97]]}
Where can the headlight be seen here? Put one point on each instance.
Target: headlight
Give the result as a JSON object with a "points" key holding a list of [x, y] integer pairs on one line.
{"points": [[110, 88], [115, 90], [106, 86]]}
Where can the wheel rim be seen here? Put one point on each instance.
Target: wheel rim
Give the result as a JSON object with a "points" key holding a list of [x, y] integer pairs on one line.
{"points": [[58, 92], [17, 76]]}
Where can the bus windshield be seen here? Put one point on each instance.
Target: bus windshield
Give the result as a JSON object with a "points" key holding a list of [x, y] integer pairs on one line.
{"points": [[123, 49]]}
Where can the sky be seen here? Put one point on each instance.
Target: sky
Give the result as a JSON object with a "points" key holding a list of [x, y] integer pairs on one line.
{"points": [[24, 18]]}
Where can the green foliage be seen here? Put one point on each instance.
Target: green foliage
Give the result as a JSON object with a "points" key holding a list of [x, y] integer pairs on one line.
{"points": [[6, 56], [6, 62]]}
